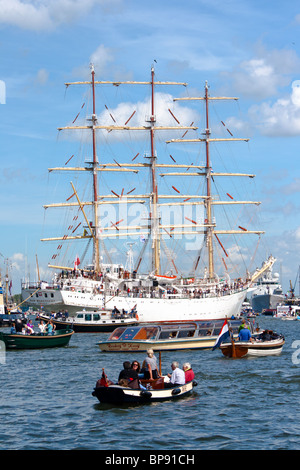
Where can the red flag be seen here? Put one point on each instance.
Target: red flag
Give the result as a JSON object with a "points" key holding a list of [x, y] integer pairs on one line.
{"points": [[103, 381], [76, 262]]}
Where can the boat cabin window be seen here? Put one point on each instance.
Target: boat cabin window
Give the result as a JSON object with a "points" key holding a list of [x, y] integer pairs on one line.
{"points": [[80, 315], [206, 329], [146, 333], [234, 325], [168, 334], [186, 333], [96, 317], [117, 333], [216, 328], [88, 317]]}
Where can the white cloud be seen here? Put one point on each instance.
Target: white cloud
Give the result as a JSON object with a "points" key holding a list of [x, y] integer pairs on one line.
{"points": [[119, 115], [17, 261], [42, 77], [100, 58], [281, 118], [40, 15], [262, 76]]}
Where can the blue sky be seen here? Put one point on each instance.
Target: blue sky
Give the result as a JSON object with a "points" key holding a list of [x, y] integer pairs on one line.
{"points": [[248, 49]]}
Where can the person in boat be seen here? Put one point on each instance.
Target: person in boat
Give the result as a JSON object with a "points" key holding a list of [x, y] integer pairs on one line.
{"points": [[177, 377], [50, 327], [115, 312], [243, 325], [18, 325], [188, 372], [150, 366], [267, 335], [42, 326], [29, 328], [128, 373], [245, 335], [137, 367], [13, 328]]}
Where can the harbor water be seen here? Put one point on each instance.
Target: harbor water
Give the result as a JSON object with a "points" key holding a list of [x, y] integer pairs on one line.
{"points": [[249, 403]]}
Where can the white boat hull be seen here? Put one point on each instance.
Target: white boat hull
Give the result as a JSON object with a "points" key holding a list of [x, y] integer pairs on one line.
{"points": [[182, 309], [273, 348], [257, 348], [148, 309]]}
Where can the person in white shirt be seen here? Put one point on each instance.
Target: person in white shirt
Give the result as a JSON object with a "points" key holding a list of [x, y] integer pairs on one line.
{"points": [[177, 377], [42, 326]]}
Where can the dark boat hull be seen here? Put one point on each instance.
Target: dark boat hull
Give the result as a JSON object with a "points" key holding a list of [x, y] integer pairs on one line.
{"points": [[115, 394], [21, 341], [105, 326]]}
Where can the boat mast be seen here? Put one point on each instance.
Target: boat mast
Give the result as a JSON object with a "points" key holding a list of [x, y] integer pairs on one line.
{"points": [[209, 223], [95, 167], [154, 195], [208, 200], [95, 179]]}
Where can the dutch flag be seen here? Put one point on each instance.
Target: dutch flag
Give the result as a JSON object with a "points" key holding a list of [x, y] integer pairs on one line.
{"points": [[224, 334]]}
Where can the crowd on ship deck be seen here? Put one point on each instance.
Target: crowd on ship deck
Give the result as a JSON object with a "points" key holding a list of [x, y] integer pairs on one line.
{"points": [[188, 288]]}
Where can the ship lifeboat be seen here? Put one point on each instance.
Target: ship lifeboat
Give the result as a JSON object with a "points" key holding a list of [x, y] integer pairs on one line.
{"points": [[165, 279]]}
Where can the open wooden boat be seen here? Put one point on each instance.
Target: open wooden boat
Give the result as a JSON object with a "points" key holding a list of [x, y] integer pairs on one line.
{"points": [[259, 346], [116, 394], [166, 336], [91, 322], [36, 340]]}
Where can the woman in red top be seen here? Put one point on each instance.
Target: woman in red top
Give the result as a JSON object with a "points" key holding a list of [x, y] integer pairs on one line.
{"points": [[189, 373]]}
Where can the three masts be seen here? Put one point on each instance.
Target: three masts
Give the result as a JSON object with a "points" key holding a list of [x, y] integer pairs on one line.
{"points": [[154, 229]]}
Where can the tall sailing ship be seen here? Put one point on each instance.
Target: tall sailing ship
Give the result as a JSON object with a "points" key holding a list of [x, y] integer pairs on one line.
{"points": [[170, 287]]}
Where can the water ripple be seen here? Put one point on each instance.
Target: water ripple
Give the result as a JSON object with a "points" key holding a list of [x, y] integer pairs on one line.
{"points": [[46, 401]]}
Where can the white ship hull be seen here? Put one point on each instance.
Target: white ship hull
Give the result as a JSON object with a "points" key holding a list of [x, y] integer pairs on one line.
{"points": [[148, 309]]}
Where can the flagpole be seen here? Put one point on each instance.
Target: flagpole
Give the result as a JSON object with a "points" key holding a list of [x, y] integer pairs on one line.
{"points": [[233, 344]]}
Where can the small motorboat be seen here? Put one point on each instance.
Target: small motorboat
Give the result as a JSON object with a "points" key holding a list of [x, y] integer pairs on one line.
{"points": [[117, 394], [36, 340], [267, 343], [100, 321]]}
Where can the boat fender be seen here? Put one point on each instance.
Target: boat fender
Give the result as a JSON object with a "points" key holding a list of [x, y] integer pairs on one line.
{"points": [[146, 394], [176, 391], [195, 383]]}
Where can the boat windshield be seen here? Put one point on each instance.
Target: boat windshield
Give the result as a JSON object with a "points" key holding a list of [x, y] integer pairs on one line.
{"points": [[117, 333], [129, 333], [146, 333]]}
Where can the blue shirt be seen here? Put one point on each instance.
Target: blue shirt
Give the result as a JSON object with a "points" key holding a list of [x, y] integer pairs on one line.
{"points": [[244, 334]]}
